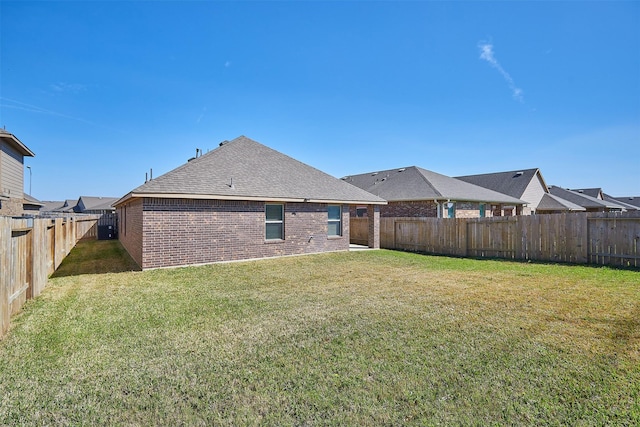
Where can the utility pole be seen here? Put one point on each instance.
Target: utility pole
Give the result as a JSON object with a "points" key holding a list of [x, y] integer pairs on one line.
{"points": [[29, 167]]}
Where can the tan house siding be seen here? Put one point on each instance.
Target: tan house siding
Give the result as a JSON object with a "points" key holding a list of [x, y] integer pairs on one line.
{"points": [[187, 231], [533, 195], [11, 172], [11, 180]]}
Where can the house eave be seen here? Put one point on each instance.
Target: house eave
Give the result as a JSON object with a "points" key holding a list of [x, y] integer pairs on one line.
{"points": [[246, 198]]}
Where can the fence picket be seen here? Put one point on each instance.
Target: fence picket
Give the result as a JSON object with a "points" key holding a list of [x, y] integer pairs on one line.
{"points": [[30, 251], [596, 238]]}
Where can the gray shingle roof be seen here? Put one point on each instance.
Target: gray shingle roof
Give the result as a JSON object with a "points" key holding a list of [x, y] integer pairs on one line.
{"points": [[513, 183], [243, 169], [90, 203], [631, 200], [414, 183], [591, 192], [583, 199], [550, 202], [624, 201]]}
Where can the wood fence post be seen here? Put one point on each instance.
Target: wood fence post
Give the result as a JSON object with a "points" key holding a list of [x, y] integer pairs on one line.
{"points": [[5, 260]]}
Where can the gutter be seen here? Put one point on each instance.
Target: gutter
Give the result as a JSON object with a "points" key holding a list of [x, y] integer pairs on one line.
{"points": [[133, 195]]}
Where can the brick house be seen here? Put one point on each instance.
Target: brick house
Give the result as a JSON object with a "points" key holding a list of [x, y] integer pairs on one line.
{"points": [[416, 192], [240, 201], [524, 184], [12, 154]]}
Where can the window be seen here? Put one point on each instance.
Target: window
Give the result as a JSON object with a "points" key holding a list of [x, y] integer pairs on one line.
{"points": [[334, 227], [274, 222], [451, 210], [482, 210]]}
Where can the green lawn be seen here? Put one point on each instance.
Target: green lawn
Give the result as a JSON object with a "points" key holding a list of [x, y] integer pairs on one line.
{"points": [[361, 338]]}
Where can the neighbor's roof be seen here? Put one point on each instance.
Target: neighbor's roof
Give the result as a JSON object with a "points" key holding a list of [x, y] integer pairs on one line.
{"points": [[583, 199], [243, 169], [591, 192], [414, 183], [15, 143], [627, 202], [550, 202], [30, 200], [631, 200], [91, 203], [514, 183]]}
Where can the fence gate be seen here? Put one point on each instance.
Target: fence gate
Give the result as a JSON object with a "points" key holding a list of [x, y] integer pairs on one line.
{"points": [[108, 227]]}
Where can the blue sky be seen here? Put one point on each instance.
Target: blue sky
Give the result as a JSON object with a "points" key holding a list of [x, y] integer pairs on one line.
{"points": [[103, 92]]}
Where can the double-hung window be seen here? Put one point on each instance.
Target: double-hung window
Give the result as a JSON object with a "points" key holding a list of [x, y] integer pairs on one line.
{"points": [[274, 222], [334, 225]]}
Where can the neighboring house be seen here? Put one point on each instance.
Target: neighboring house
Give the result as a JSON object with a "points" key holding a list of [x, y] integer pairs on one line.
{"points": [[95, 205], [589, 203], [551, 204], [83, 205], [523, 184], [240, 201], [629, 200], [12, 153], [31, 205], [601, 195], [416, 192]]}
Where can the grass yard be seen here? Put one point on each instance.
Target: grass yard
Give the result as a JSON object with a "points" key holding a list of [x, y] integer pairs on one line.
{"points": [[360, 338]]}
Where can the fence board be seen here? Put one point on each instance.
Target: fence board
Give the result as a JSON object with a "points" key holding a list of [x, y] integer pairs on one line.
{"points": [[596, 238], [31, 250]]}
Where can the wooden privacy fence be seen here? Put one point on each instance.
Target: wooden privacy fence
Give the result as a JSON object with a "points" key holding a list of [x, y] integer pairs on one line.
{"points": [[582, 238], [30, 251]]}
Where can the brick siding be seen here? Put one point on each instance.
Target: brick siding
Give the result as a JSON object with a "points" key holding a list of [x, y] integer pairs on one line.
{"points": [[187, 231], [429, 209], [11, 207], [130, 228]]}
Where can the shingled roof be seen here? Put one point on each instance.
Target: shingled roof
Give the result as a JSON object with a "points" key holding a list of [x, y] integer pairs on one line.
{"points": [[513, 183], [550, 202], [414, 183], [243, 169], [583, 199]]}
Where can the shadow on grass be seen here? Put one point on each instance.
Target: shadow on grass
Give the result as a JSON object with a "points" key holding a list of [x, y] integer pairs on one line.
{"points": [[96, 257]]}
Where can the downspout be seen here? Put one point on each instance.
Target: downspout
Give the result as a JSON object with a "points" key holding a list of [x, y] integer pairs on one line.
{"points": [[438, 214]]}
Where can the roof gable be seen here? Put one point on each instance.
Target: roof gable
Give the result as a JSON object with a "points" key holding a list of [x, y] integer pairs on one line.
{"points": [[513, 183], [415, 183], [244, 169]]}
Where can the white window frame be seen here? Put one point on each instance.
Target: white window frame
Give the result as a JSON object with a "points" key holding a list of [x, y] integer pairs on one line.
{"points": [[331, 221], [268, 221]]}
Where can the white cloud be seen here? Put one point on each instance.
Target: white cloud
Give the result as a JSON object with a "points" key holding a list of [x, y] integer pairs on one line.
{"points": [[68, 87], [486, 53]]}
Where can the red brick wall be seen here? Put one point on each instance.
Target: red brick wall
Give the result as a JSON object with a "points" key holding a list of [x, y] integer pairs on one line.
{"points": [[185, 231], [415, 209], [428, 209], [130, 228]]}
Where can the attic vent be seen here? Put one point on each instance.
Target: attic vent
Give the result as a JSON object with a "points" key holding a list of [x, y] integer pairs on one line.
{"points": [[402, 169], [224, 142], [374, 174], [344, 178], [580, 191], [518, 174]]}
